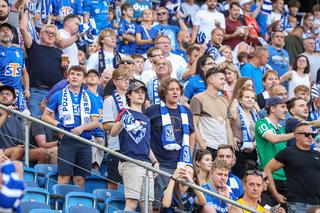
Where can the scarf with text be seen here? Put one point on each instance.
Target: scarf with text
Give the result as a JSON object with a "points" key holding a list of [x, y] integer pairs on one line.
{"points": [[156, 84], [118, 101]]}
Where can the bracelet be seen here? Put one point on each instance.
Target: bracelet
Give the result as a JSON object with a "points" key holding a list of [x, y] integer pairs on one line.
{"points": [[174, 179]]}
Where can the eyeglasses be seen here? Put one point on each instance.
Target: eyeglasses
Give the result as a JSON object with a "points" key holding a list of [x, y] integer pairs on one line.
{"points": [[254, 172], [50, 33], [307, 134], [161, 13], [126, 62]]}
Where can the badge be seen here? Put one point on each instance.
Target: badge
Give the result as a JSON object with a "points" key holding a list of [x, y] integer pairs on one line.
{"points": [[169, 133]]}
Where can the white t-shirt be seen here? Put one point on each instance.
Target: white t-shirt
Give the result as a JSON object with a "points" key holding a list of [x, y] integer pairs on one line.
{"points": [[273, 17], [93, 62], [72, 50], [207, 22], [190, 10]]}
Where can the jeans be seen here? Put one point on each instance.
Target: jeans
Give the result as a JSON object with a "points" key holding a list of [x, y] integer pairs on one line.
{"points": [[37, 94], [295, 207]]}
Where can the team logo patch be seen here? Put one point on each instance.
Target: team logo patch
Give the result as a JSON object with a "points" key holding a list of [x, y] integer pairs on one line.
{"points": [[13, 69]]}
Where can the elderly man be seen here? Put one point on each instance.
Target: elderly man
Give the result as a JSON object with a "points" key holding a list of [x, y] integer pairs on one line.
{"points": [[302, 168]]}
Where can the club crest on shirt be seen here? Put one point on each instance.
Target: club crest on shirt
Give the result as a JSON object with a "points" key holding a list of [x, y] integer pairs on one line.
{"points": [[169, 133]]}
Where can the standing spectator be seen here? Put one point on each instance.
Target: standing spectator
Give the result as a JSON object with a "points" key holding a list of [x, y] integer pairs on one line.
{"points": [[253, 68], [313, 58], [4, 18], [279, 57], [135, 143], [12, 66], [211, 123], [98, 10], [300, 75], [277, 12], [215, 43], [207, 20], [301, 166], [271, 138], [44, 62], [269, 78], [232, 76], [189, 8], [76, 112], [294, 43], [171, 124], [106, 57], [236, 31], [308, 30], [127, 31]]}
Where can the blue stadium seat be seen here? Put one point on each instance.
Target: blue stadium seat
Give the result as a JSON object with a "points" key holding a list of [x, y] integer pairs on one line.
{"points": [[42, 171], [31, 184], [52, 179], [115, 203], [103, 195], [95, 182], [35, 194], [80, 199], [80, 209], [27, 206], [59, 191], [29, 174], [44, 211]]}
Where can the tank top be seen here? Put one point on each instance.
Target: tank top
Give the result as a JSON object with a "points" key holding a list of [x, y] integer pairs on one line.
{"points": [[297, 80], [259, 207]]}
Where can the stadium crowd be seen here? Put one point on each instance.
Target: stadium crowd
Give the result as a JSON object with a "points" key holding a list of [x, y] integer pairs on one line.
{"points": [[225, 95]]}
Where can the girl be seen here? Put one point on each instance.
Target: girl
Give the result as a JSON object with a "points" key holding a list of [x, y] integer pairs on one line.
{"points": [[232, 76], [180, 198], [307, 26], [202, 164]]}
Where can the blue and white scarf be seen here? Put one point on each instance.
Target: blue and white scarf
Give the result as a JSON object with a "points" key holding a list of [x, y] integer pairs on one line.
{"points": [[21, 103], [118, 101], [133, 127], [168, 139], [66, 111], [44, 8], [245, 127], [156, 84], [314, 113]]}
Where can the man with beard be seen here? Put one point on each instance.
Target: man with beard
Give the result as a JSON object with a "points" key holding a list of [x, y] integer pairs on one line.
{"points": [[184, 40], [4, 13]]}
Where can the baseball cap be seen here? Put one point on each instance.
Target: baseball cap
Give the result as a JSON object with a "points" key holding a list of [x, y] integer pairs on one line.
{"points": [[293, 123], [136, 85], [7, 25], [273, 101], [93, 71], [11, 89], [243, 2]]}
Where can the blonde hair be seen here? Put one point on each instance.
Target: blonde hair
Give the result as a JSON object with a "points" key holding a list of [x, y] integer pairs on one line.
{"points": [[121, 72], [104, 33], [45, 26]]}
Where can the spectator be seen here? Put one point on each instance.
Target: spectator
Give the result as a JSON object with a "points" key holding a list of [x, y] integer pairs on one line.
{"points": [[243, 83], [207, 20], [271, 138], [179, 197], [300, 75], [279, 57], [135, 143], [293, 7], [253, 187], [294, 43], [82, 58], [232, 76], [139, 8], [5, 11], [236, 31], [212, 124], [316, 14], [163, 72], [303, 92], [170, 92], [12, 66], [183, 43], [106, 57], [112, 106], [138, 61], [189, 8], [127, 31], [202, 163], [307, 26], [92, 48], [193, 53], [269, 78], [313, 58], [252, 69], [145, 32], [44, 62], [154, 54], [80, 116], [303, 188], [98, 10], [196, 83], [277, 12], [215, 43]]}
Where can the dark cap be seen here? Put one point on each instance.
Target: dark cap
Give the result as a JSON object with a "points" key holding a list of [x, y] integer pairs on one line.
{"points": [[213, 71], [11, 89], [7, 25], [93, 71], [136, 85], [292, 123], [273, 101]]}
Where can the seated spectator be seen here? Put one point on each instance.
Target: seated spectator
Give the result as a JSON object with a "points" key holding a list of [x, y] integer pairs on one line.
{"points": [[308, 31], [215, 43], [202, 163], [226, 54], [138, 61], [269, 78], [303, 92], [183, 43], [194, 52]]}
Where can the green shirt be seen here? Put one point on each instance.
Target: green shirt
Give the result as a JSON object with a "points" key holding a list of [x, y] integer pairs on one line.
{"points": [[267, 150]]}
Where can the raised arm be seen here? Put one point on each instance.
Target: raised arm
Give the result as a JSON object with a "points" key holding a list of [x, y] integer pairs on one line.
{"points": [[24, 29]]}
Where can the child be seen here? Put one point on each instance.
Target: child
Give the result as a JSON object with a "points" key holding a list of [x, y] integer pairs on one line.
{"points": [[316, 21], [243, 59], [127, 31], [180, 197], [292, 23], [138, 66]]}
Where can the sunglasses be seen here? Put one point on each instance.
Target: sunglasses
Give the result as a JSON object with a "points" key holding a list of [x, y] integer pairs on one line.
{"points": [[50, 33], [307, 134], [126, 62], [255, 172], [161, 13]]}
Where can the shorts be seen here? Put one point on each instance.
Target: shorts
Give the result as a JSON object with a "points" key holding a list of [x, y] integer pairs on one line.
{"points": [[134, 182], [97, 154], [72, 152], [112, 169], [160, 183]]}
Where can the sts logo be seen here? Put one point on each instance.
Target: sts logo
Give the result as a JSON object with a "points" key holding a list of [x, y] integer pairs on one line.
{"points": [[13, 69]]}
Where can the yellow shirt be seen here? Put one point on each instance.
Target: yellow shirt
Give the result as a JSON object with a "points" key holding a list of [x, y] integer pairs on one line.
{"points": [[259, 207]]}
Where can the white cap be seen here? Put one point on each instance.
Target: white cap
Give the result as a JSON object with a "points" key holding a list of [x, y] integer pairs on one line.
{"points": [[243, 2]]}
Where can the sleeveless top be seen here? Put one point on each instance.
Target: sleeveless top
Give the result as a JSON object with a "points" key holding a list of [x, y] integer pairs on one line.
{"points": [[259, 207], [297, 80]]}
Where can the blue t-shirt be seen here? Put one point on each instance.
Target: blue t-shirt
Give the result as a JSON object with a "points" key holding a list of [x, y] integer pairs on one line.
{"points": [[181, 53], [255, 73], [142, 49], [98, 132], [98, 10], [140, 150], [278, 60], [234, 183], [193, 86], [219, 205], [167, 159], [64, 8], [188, 200], [56, 101], [11, 64], [127, 47], [171, 31], [139, 6]]}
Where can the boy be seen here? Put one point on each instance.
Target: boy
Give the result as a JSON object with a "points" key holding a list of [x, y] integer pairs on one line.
{"points": [[138, 66], [127, 30], [75, 111]]}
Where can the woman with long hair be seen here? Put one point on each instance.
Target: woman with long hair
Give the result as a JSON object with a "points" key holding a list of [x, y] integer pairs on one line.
{"points": [[202, 163], [307, 26], [232, 76], [299, 75]]}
